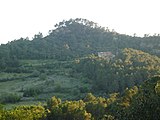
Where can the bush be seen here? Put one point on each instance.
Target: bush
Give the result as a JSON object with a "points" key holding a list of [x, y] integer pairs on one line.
{"points": [[35, 73], [24, 113], [1, 107], [30, 92], [76, 92], [43, 76], [58, 88], [84, 89], [10, 98]]}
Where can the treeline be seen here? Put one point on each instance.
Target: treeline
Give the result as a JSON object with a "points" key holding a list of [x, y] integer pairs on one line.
{"points": [[9, 64], [130, 67], [136, 103], [76, 38]]}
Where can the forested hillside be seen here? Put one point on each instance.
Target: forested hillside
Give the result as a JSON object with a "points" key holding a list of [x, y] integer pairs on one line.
{"points": [[80, 71], [130, 67], [76, 38]]}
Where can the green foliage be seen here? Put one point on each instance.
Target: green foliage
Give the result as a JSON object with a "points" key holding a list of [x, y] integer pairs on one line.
{"points": [[89, 97], [30, 92], [9, 64], [84, 89], [58, 88], [136, 103], [69, 110], [130, 67], [157, 88], [24, 113], [35, 73], [146, 103], [97, 107], [142, 104], [76, 92], [108, 117], [90, 108], [128, 94], [1, 107], [43, 76], [53, 102], [75, 38], [9, 98]]}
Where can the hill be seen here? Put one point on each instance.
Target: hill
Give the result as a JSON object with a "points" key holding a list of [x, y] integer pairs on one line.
{"points": [[76, 38], [128, 68], [38, 80], [76, 58]]}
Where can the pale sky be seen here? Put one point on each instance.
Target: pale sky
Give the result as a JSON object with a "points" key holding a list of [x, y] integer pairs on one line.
{"points": [[22, 18]]}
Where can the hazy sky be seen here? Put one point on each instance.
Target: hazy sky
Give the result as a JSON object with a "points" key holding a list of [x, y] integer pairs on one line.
{"points": [[22, 18]]}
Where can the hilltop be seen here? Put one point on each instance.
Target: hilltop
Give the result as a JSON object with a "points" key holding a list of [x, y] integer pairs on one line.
{"points": [[77, 38]]}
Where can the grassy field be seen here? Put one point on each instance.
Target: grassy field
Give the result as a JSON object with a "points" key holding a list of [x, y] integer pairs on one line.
{"points": [[48, 77]]}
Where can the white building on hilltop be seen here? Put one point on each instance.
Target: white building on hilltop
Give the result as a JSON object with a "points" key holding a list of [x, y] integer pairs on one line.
{"points": [[106, 55]]}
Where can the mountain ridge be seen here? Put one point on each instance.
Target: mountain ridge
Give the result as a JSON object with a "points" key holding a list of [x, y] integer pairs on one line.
{"points": [[77, 38]]}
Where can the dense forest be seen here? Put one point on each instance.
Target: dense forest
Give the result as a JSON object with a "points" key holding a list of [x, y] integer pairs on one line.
{"points": [[80, 71]]}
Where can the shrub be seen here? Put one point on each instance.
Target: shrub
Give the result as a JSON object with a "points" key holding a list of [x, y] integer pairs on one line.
{"points": [[84, 89], [58, 88], [43, 76], [76, 92], [24, 113], [30, 92], [10, 98], [35, 73]]}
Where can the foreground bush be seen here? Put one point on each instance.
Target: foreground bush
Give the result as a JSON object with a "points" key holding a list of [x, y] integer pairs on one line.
{"points": [[137, 103], [24, 113]]}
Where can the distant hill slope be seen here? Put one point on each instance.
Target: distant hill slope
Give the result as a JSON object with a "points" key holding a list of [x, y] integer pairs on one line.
{"points": [[130, 67], [137, 58], [74, 38]]}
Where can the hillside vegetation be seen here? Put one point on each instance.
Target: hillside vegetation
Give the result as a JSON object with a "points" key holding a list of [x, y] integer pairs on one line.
{"points": [[33, 81], [76, 38], [80, 71], [130, 67], [136, 103]]}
